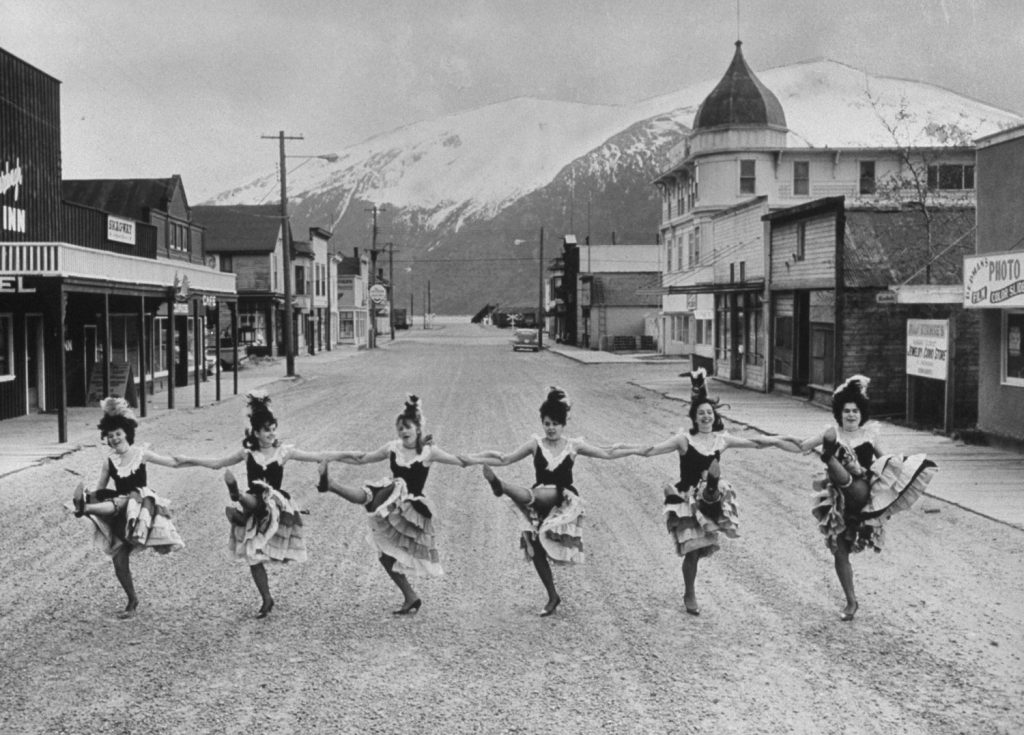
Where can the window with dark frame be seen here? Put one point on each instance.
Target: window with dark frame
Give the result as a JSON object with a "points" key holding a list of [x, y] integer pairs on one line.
{"points": [[801, 241], [867, 177], [748, 176], [801, 178], [951, 177]]}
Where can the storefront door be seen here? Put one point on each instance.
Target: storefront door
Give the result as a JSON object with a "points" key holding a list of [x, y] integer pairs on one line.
{"points": [[35, 363]]}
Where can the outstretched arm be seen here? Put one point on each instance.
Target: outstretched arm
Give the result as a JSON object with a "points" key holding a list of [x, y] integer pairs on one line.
{"points": [[213, 464], [616, 451], [439, 455], [350, 457], [497, 459], [151, 457], [377, 455], [677, 443]]}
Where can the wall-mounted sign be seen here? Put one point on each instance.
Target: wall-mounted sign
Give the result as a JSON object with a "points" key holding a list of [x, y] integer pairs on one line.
{"points": [[120, 230], [14, 284], [928, 348], [995, 280], [378, 294], [12, 218]]}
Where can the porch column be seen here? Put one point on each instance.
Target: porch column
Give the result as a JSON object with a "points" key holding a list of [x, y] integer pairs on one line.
{"points": [[142, 356], [197, 347], [216, 345], [170, 349], [233, 306], [105, 322], [62, 366]]}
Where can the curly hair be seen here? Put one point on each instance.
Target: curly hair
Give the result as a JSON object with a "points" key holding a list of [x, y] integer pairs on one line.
{"points": [[555, 406], [117, 415], [853, 390]]}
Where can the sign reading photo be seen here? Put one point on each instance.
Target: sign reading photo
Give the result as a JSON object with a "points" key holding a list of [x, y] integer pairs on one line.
{"points": [[928, 348], [994, 280], [120, 230]]}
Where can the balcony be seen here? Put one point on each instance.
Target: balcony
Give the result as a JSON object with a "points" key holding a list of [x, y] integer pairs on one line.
{"points": [[61, 260]]}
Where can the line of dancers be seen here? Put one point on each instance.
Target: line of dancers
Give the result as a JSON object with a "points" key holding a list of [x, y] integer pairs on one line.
{"points": [[862, 487]]}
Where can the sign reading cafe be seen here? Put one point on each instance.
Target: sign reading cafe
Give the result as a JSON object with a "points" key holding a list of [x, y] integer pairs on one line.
{"points": [[994, 280]]}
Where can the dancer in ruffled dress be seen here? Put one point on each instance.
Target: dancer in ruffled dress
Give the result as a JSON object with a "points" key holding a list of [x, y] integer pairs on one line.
{"points": [[266, 525], [550, 509], [400, 515], [131, 516], [863, 486], [701, 506]]}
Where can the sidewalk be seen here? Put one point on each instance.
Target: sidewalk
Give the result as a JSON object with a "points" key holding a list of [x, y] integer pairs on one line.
{"points": [[984, 480], [29, 440]]}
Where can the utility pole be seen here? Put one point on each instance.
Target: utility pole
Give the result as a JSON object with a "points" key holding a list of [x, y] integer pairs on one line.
{"points": [[426, 314], [286, 244], [373, 275], [540, 305], [391, 289]]}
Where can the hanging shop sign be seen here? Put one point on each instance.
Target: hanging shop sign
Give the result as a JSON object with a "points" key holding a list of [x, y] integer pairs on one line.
{"points": [[120, 230], [928, 348], [378, 294], [995, 280]]}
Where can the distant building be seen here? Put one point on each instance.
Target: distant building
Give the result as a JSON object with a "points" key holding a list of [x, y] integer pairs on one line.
{"points": [[104, 286], [994, 285], [741, 189]]}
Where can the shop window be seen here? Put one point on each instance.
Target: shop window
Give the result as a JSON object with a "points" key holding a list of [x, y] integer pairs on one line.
{"points": [[867, 177], [300, 280], [754, 316], [801, 178], [748, 177], [685, 322], [822, 354], [950, 177], [6, 347], [1013, 359], [783, 352]]}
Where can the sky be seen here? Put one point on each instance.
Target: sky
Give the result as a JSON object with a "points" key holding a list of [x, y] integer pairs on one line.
{"points": [[155, 88]]}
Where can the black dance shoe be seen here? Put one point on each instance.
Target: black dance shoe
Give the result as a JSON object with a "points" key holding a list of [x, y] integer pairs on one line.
{"points": [[411, 609]]}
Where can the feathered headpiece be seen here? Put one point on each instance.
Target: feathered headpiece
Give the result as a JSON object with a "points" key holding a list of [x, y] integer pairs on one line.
{"points": [[699, 386], [116, 406], [258, 408], [855, 383]]}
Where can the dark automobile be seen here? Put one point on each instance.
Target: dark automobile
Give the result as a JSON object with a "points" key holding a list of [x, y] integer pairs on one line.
{"points": [[525, 339]]}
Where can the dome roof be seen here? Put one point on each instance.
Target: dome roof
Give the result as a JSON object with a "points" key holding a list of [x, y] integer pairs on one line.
{"points": [[739, 99]]}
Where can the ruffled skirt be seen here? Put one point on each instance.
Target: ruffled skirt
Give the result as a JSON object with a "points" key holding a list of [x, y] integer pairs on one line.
{"points": [[895, 483], [144, 522], [695, 526], [560, 532], [273, 533], [402, 527]]}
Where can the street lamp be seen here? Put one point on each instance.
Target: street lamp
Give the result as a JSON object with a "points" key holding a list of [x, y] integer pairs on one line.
{"points": [[286, 244]]}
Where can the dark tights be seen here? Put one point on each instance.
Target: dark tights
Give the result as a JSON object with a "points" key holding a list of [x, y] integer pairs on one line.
{"points": [[123, 571], [388, 562]]}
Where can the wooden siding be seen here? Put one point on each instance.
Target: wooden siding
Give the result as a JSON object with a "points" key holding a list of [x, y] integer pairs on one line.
{"points": [[737, 238], [817, 269], [88, 227], [29, 151], [252, 272]]}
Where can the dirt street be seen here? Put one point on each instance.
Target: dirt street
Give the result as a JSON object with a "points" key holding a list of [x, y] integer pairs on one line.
{"points": [[936, 647]]}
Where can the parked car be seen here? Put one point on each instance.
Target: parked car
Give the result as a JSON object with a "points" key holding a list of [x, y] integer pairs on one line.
{"points": [[525, 339]]}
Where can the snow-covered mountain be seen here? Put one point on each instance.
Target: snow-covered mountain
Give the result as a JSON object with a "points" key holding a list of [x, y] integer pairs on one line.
{"points": [[463, 197]]}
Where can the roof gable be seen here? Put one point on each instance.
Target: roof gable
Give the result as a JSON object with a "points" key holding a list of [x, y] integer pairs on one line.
{"points": [[239, 228], [130, 198]]}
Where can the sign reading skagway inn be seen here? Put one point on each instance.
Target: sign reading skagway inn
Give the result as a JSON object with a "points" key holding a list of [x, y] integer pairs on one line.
{"points": [[995, 280]]}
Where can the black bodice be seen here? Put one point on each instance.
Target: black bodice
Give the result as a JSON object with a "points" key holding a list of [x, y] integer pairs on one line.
{"points": [[128, 483], [272, 473], [559, 476], [414, 475], [692, 465]]}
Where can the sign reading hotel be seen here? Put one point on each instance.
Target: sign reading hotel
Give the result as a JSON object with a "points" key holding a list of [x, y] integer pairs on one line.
{"points": [[995, 280], [928, 348], [120, 230]]}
